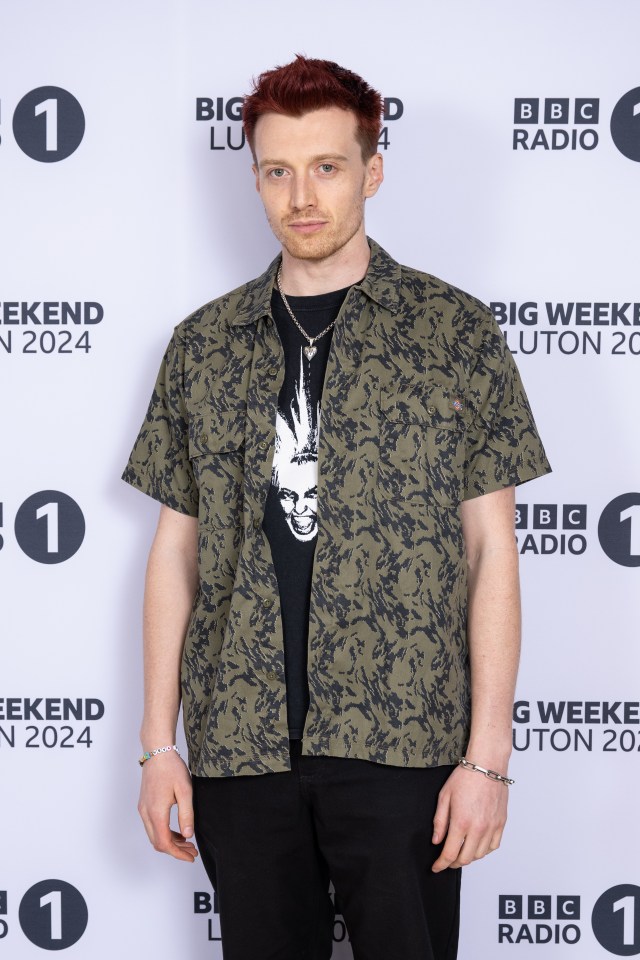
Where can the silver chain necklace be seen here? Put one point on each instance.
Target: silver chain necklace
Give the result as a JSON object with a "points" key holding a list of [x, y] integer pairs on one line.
{"points": [[310, 351]]}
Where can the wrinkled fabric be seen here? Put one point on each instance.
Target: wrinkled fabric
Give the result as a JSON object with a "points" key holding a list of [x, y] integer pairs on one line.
{"points": [[423, 407]]}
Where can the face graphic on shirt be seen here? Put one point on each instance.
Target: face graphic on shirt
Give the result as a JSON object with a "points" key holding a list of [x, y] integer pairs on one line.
{"points": [[295, 462]]}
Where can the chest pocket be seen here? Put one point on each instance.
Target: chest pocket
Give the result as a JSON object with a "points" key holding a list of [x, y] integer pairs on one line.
{"points": [[422, 443], [216, 452]]}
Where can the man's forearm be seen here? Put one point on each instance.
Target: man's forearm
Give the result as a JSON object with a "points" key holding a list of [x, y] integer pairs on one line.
{"points": [[493, 630], [170, 587], [472, 810]]}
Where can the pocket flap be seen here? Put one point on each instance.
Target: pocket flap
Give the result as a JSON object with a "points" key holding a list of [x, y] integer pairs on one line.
{"points": [[216, 433], [434, 405]]}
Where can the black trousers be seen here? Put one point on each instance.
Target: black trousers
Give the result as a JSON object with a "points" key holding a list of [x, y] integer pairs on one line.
{"points": [[271, 843]]}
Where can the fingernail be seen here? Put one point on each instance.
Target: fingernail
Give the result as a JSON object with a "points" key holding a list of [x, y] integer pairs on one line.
{"points": [[187, 832]]}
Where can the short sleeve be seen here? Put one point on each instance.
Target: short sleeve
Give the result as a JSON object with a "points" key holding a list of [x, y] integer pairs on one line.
{"points": [[159, 462], [503, 445]]}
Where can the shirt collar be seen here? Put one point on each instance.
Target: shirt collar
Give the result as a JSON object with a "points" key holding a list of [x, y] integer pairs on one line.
{"points": [[255, 302], [381, 283], [383, 278]]}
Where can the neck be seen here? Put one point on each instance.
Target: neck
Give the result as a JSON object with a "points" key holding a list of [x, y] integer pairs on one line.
{"points": [[308, 278]]}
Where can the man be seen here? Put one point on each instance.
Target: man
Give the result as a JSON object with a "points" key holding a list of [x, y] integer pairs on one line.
{"points": [[335, 446]]}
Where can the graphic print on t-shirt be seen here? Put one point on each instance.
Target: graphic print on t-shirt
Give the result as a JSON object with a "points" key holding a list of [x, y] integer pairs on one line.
{"points": [[295, 461]]}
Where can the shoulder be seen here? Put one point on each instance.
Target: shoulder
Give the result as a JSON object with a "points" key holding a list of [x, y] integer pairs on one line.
{"points": [[419, 295], [242, 302], [460, 326], [441, 297]]}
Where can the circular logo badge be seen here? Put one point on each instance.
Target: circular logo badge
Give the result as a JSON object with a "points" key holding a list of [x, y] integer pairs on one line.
{"points": [[619, 530], [48, 124], [50, 526], [625, 124], [616, 920], [53, 914]]}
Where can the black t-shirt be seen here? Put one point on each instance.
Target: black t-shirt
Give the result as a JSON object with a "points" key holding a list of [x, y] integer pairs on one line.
{"points": [[290, 518]]}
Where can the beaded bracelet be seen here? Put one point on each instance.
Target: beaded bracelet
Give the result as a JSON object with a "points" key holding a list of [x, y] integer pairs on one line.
{"points": [[152, 753], [491, 774]]}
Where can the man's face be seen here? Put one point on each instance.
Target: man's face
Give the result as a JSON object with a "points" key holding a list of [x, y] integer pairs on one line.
{"points": [[298, 495], [313, 181]]}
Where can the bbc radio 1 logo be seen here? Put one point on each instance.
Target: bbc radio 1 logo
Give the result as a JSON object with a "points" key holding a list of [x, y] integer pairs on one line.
{"points": [[49, 527], [48, 124], [225, 117], [545, 529], [546, 918], [551, 528], [566, 123], [52, 914]]}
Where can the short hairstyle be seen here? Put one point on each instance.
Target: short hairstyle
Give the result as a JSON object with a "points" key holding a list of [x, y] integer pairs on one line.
{"points": [[304, 85]]}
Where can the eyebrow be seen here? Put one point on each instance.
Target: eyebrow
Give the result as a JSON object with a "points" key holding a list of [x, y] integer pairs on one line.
{"points": [[321, 156]]}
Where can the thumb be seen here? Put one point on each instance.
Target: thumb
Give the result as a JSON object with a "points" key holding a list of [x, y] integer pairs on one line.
{"points": [[185, 815], [441, 818]]}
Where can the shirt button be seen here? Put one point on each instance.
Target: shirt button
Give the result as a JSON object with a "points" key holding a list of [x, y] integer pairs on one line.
{"points": [[263, 444], [271, 675], [273, 371], [431, 410], [257, 523], [267, 602], [204, 438]]}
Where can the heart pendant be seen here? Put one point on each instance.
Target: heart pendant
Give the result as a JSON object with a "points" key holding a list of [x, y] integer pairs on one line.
{"points": [[310, 352]]}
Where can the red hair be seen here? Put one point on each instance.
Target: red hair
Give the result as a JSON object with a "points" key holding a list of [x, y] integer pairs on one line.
{"points": [[304, 85]]}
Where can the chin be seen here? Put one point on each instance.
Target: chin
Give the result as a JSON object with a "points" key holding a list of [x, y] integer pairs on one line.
{"points": [[311, 248]]}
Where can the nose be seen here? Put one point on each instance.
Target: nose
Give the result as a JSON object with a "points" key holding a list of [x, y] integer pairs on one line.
{"points": [[303, 194]]}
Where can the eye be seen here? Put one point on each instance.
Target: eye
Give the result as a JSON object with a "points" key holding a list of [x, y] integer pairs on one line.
{"points": [[327, 167], [277, 173]]}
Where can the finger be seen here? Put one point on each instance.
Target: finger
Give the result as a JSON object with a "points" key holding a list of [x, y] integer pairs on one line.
{"points": [[450, 851], [482, 850], [441, 818], [182, 849], [182, 853], [185, 812], [496, 839], [467, 852], [181, 841]]}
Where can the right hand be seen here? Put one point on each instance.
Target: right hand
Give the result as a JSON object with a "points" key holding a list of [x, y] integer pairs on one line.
{"points": [[166, 781]]}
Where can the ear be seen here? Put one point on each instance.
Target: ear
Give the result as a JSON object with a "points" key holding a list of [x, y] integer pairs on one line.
{"points": [[256, 174], [374, 175]]}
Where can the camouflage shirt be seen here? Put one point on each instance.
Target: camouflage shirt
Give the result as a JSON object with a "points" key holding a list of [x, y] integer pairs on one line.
{"points": [[422, 407]]}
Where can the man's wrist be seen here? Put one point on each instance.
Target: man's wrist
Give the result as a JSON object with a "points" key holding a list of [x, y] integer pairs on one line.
{"points": [[150, 754], [489, 754], [158, 737]]}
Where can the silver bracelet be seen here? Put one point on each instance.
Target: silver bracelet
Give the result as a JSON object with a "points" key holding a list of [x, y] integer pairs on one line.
{"points": [[152, 753], [491, 774]]}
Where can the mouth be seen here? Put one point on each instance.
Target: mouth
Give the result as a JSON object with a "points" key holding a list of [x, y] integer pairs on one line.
{"points": [[303, 524], [307, 226]]}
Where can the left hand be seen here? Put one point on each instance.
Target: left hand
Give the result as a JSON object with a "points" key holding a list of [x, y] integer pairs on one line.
{"points": [[471, 813]]}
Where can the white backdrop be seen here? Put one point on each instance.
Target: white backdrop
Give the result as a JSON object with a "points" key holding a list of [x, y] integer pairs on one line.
{"points": [[146, 220]]}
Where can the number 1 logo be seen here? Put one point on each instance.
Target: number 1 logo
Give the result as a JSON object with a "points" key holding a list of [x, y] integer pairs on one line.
{"points": [[50, 526], [616, 920], [625, 124], [53, 914], [48, 124], [619, 530]]}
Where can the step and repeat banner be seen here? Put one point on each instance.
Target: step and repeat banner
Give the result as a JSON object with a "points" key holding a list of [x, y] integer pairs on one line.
{"points": [[511, 144]]}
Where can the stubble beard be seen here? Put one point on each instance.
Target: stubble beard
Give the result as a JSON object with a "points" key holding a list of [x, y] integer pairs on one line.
{"points": [[324, 244]]}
